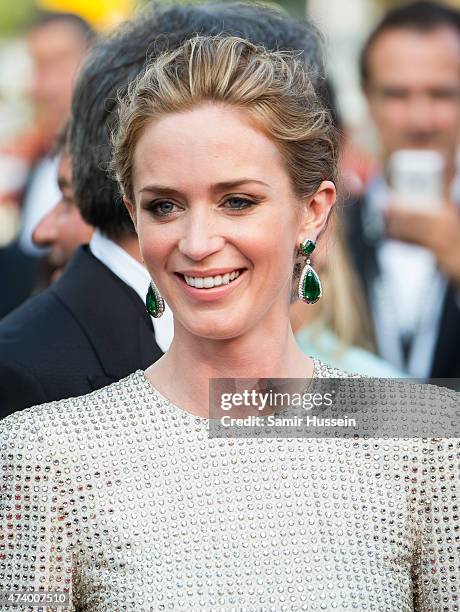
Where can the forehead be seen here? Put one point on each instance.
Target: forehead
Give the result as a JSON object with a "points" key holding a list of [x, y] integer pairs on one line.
{"points": [[411, 57], [54, 37], [211, 143]]}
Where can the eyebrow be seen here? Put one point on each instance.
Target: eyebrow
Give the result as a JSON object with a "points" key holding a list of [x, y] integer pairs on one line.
{"points": [[164, 190]]}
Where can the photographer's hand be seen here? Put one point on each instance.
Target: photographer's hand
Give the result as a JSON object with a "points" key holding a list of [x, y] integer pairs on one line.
{"points": [[438, 231]]}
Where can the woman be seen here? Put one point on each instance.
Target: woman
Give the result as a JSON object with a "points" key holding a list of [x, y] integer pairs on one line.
{"points": [[226, 161]]}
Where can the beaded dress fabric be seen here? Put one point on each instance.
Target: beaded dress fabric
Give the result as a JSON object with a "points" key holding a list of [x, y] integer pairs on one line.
{"points": [[121, 498]]}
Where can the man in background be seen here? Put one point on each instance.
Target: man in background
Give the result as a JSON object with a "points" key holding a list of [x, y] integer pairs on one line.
{"points": [[91, 328], [62, 230], [57, 44], [409, 259]]}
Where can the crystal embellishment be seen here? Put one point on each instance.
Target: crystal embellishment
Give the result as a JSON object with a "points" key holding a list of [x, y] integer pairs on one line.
{"points": [[122, 500]]}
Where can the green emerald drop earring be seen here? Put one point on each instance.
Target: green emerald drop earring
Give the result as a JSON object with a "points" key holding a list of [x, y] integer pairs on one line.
{"points": [[154, 302], [310, 289]]}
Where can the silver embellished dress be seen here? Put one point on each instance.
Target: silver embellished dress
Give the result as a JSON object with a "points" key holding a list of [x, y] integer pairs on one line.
{"points": [[121, 498]]}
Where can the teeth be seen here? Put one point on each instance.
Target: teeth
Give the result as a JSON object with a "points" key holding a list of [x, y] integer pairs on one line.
{"points": [[208, 282]]}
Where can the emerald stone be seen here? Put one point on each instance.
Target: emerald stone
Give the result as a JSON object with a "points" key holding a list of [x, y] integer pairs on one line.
{"points": [[310, 286], [151, 302], [307, 247], [154, 302]]}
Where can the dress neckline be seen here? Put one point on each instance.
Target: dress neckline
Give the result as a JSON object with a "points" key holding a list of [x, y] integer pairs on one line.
{"points": [[155, 393]]}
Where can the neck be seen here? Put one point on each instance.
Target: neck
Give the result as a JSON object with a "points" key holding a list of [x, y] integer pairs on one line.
{"points": [[183, 374], [130, 244], [302, 316]]}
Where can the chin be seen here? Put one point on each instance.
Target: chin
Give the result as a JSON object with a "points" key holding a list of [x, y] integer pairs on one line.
{"points": [[216, 328]]}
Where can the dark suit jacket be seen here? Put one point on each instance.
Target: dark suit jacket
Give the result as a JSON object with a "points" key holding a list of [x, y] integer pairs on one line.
{"points": [[86, 331], [362, 241], [18, 274]]}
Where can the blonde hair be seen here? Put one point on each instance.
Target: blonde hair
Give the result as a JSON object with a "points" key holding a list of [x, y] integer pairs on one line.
{"points": [[273, 87]]}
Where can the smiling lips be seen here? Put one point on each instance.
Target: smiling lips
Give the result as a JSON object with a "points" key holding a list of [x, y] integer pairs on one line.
{"points": [[208, 282], [210, 285]]}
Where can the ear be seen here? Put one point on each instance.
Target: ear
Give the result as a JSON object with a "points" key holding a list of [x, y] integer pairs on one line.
{"points": [[131, 208], [315, 211]]}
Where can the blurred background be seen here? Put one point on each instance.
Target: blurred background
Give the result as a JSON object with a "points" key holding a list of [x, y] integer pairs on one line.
{"points": [[38, 63], [37, 71], [29, 73], [39, 59]]}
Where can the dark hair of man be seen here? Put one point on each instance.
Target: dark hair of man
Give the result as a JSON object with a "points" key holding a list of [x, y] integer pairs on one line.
{"points": [[115, 62], [43, 18], [419, 16]]}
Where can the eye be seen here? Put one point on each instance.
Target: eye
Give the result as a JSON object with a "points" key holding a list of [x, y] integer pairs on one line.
{"points": [[237, 203], [447, 94], [393, 93], [162, 208]]}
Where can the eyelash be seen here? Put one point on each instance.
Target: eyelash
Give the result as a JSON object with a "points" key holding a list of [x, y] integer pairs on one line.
{"points": [[154, 206], [249, 203]]}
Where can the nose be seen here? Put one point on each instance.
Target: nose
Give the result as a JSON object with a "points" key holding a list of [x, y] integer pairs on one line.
{"points": [[420, 114], [45, 233], [201, 236]]}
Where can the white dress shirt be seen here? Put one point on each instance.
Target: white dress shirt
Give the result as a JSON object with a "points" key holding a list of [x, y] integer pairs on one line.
{"points": [[42, 195], [135, 276]]}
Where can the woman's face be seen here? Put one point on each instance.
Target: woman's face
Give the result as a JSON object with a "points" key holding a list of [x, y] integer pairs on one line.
{"points": [[217, 219]]}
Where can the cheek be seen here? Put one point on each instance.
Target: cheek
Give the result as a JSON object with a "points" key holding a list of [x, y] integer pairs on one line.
{"points": [[393, 115], [83, 233], [448, 116], [387, 114], [65, 225], [270, 244], [70, 223], [156, 242]]}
